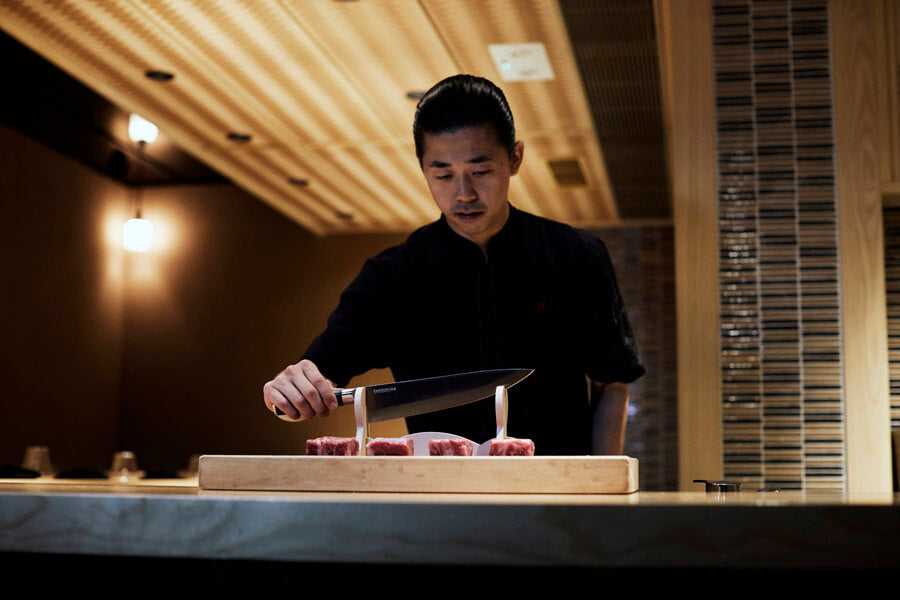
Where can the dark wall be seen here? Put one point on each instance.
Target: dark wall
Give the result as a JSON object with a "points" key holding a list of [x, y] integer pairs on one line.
{"points": [[163, 353], [236, 295], [60, 304]]}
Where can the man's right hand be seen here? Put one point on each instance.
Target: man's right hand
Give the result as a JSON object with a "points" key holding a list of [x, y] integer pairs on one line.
{"points": [[301, 391]]}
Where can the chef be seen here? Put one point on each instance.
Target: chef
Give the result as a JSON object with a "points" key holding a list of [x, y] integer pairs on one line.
{"points": [[486, 286]]}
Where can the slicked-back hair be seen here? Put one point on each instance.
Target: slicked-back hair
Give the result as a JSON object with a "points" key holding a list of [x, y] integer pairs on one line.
{"points": [[463, 101]]}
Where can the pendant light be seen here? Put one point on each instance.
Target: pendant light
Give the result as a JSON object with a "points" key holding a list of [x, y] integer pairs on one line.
{"points": [[137, 234]]}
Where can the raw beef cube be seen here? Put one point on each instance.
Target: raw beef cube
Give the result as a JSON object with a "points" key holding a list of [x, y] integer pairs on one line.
{"points": [[512, 447], [390, 447], [449, 447], [332, 446]]}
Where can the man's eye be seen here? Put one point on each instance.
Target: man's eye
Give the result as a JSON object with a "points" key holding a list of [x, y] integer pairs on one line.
{"points": [[442, 176], [480, 173]]}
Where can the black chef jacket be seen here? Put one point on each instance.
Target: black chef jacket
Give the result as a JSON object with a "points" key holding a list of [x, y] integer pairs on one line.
{"points": [[544, 298]]}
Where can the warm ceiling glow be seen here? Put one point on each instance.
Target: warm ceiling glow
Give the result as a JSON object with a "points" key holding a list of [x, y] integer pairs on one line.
{"points": [[137, 235], [320, 87], [141, 130]]}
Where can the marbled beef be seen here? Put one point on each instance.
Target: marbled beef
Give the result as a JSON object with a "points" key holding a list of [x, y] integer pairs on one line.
{"points": [[390, 447], [512, 447], [449, 447], [332, 446]]}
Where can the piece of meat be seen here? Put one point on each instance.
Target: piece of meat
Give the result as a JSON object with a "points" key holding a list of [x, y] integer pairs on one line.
{"points": [[512, 447], [332, 446], [390, 447], [449, 447]]}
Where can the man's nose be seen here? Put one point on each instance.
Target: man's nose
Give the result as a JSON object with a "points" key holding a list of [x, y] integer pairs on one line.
{"points": [[465, 191]]}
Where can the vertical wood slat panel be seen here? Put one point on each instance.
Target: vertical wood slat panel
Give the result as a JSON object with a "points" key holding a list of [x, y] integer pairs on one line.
{"points": [[687, 77], [890, 103], [857, 35]]}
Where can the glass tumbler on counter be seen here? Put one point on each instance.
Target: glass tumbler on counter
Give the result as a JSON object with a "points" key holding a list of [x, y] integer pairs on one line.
{"points": [[37, 458], [124, 467]]}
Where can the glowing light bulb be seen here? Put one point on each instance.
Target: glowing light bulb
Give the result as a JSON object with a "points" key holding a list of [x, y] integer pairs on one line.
{"points": [[141, 130], [137, 235]]}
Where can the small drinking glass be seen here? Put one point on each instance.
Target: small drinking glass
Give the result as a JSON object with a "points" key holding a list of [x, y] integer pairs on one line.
{"points": [[124, 467], [37, 458]]}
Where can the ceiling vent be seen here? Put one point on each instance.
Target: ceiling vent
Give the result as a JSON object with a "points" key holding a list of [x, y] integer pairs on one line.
{"points": [[567, 172]]}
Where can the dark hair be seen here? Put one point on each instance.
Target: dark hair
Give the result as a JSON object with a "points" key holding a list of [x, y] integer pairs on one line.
{"points": [[463, 101]]}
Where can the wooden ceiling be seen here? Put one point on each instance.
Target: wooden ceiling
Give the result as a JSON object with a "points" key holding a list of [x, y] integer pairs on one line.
{"points": [[321, 89]]}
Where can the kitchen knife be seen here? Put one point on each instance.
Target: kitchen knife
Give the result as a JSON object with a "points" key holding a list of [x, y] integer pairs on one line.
{"points": [[418, 396]]}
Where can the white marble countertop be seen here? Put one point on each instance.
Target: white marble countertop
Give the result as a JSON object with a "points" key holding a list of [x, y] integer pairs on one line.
{"points": [[173, 518]]}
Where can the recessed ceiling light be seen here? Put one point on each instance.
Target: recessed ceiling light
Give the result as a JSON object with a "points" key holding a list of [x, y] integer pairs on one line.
{"points": [[159, 75], [415, 95], [522, 62], [239, 137], [298, 181]]}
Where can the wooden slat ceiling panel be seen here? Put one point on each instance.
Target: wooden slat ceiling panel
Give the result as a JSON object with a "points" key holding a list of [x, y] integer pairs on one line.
{"points": [[615, 45], [321, 88], [572, 205], [246, 47], [383, 174], [386, 49]]}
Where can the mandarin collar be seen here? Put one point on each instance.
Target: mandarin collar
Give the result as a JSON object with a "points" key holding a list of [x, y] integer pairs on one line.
{"points": [[469, 247]]}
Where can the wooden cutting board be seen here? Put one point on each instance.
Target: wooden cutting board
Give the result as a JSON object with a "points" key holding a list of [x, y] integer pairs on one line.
{"points": [[476, 474]]}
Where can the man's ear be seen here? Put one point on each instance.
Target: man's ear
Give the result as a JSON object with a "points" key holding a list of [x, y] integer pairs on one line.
{"points": [[517, 156]]}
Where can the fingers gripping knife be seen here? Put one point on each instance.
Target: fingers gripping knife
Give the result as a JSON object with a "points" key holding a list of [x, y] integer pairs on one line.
{"points": [[407, 398]]}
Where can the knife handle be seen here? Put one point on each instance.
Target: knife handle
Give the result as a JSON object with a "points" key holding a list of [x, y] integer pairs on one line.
{"points": [[344, 396]]}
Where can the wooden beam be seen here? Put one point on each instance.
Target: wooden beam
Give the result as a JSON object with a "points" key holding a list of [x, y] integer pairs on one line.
{"points": [[857, 30], [684, 30]]}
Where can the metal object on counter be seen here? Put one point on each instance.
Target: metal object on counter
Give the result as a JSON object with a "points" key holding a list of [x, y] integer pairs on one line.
{"points": [[720, 486]]}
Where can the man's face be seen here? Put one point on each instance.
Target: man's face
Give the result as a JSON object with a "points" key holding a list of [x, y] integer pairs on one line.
{"points": [[468, 174]]}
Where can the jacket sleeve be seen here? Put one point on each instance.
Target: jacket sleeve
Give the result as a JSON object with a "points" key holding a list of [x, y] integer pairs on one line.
{"points": [[357, 337], [611, 353]]}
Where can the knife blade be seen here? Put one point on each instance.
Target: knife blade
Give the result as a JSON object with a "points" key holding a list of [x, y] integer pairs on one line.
{"points": [[386, 401]]}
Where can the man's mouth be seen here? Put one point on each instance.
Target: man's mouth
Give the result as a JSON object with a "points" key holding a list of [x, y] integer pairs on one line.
{"points": [[469, 216]]}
